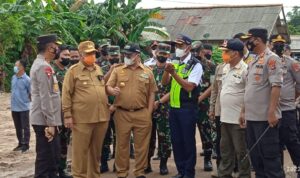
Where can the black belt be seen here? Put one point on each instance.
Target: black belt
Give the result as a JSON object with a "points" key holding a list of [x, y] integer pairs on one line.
{"points": [[131, 110]]}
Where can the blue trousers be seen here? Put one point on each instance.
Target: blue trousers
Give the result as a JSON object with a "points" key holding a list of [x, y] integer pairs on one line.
{"points": [[183, 127]]}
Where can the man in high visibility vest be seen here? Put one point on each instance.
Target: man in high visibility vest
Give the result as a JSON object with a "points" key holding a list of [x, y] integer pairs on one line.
{"points": [[186, 73]]}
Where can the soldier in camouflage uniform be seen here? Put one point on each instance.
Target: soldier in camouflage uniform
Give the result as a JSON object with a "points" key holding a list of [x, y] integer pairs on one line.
{"points": [[102, 58], [113, 58], [161, 113], [205, 125], [60, 67]]}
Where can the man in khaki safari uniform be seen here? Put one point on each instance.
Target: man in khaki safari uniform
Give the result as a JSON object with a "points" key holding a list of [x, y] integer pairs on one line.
{"points": [[85, 107], [134, 86]]}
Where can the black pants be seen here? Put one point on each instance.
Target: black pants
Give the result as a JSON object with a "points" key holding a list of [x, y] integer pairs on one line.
{"points": [[266, 155], [218, 139], [47, 154], [21, 121], [289, 135]]}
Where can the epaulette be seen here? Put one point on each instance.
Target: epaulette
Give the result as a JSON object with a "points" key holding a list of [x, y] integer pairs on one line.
{"points": [[73, 66]]}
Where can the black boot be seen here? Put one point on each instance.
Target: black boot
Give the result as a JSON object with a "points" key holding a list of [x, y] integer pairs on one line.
{"points": [[163, 169], [149, 168], [207, 165], [64, 174], [104, 167]]}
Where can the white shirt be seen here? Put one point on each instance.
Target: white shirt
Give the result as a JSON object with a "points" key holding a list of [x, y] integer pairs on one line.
{"points": [[232, 92], [196, 73]]}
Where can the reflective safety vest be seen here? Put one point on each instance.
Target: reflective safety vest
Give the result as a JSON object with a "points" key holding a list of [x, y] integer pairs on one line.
{"points": [[179, 95]]}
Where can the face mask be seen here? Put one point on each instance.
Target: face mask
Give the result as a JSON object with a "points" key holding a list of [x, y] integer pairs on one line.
{"points": [[208, 56], [128, 61], [226, 57], [278, 49], [16, 69], [104, 52], [250, 45], [179, 52], [74, 61], [162, 59], [65, 61], [114, 61], [90, 59]]}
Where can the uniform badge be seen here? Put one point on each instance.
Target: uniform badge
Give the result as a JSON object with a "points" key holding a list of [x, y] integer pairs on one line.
{"points": [[296, 67], [257, 78], [144, 76], [272, 64], [49, 72]]}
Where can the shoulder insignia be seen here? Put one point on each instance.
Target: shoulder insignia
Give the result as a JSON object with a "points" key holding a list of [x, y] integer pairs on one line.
{"points": [[272, 64], [296, 66], [48, 70]]}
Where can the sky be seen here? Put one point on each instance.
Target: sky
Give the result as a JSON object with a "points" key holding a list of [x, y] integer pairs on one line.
{"points": [[288, 4]]}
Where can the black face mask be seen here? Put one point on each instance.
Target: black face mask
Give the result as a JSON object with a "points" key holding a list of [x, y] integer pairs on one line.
{"points": [[74, 61], [98, 54], [278, 49], [161, 59], [250, 45], [114, 61], [65, 61], [104, 52], [208, 56]]}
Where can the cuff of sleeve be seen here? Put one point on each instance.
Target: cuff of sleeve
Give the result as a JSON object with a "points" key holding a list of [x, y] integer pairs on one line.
{"points": [[276, 84], [67, 114], [50, 122]]}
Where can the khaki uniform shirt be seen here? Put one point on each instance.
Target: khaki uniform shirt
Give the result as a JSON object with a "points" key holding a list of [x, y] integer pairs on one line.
{"points": [[84, 98], [214, 105], [46, 102], [135, 86], [291, 83], [232, 92], [263, 72]]}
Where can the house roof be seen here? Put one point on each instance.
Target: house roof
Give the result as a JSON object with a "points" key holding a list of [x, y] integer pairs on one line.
{"points": [[219, 22]]}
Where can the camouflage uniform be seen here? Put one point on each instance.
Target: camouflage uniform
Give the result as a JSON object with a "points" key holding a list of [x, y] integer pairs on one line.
{"points": [[205, 125], [65, 133], [160, 116]]}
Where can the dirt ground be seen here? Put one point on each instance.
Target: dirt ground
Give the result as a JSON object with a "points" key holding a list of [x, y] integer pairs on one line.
{"points": [[18, 165]]}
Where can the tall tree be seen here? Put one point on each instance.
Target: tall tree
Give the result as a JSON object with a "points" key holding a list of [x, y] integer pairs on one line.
{"points": [[294, 20]]}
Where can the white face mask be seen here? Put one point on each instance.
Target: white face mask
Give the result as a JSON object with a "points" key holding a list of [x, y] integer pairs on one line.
{"points": [[128, 61], [179, 52]]}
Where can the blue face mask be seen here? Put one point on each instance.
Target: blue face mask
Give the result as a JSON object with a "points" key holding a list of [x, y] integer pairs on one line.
{"points": [[16, 69]]}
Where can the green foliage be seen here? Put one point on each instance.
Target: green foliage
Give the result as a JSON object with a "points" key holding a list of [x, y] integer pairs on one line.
{"points": [[217, 55], [294, 21], [22, 21]]}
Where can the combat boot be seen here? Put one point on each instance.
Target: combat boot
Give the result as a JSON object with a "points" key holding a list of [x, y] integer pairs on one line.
{"points": [[163, 168], [207, 160]]}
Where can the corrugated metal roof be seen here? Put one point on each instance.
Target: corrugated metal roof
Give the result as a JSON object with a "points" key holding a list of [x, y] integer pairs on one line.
{"points": [[220, 22]]}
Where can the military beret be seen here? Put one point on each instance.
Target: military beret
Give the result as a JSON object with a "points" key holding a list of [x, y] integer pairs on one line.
{"points": [[256, 32], [163, 48], [113, 50]]}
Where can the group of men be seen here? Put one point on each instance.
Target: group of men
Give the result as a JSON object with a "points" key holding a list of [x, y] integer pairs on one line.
{"points": [[244, 107]]}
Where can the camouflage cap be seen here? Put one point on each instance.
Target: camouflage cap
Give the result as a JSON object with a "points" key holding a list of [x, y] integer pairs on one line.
{"points": [[113, 50], [163, 48], [197, 45], [104, 42]]}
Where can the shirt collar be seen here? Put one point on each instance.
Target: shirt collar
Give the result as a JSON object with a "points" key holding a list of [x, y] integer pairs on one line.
{"points": [[82, 66], [187, 58]]}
